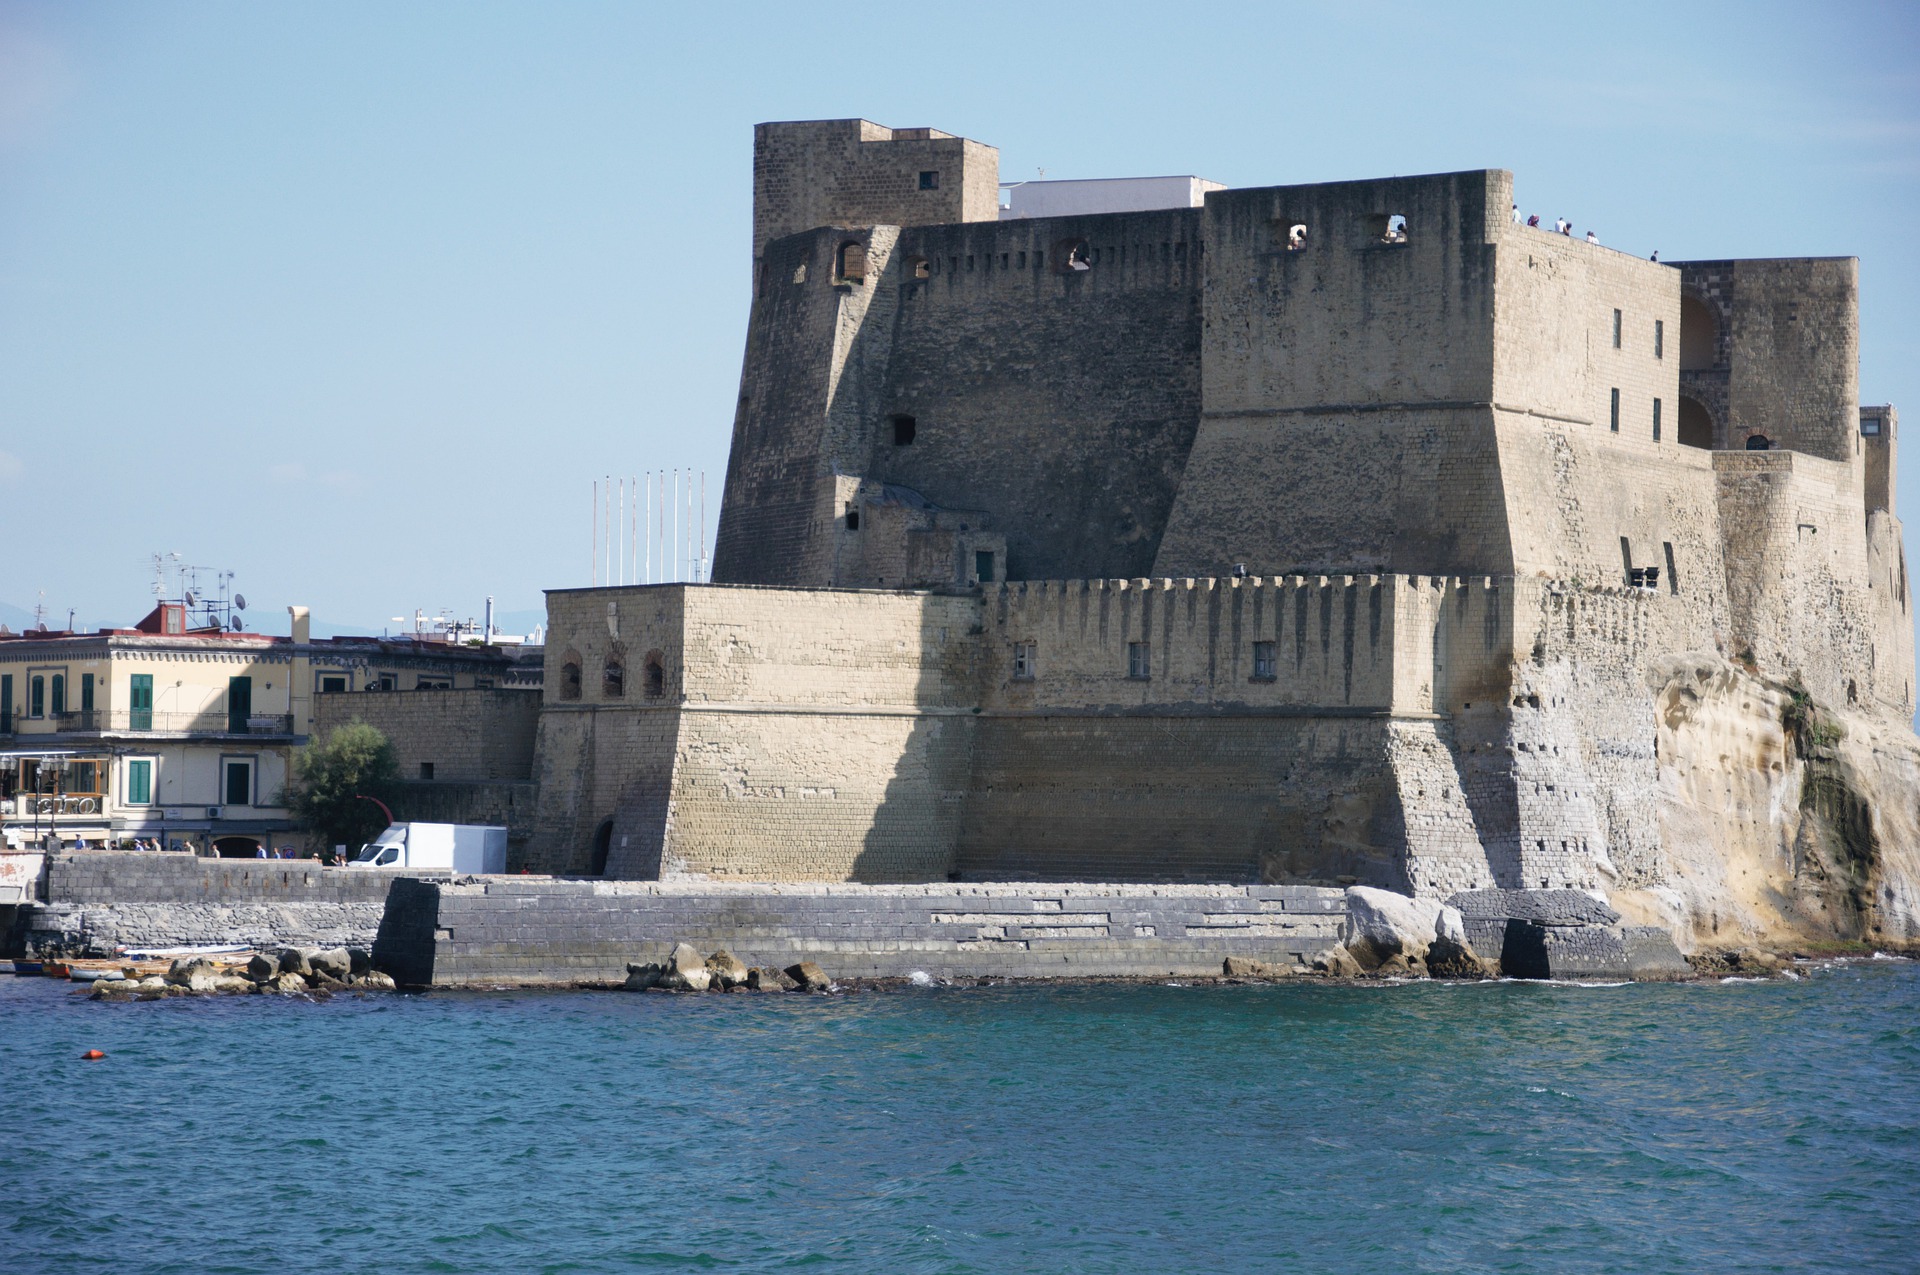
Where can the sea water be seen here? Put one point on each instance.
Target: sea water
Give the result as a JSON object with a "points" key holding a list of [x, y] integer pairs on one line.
{"points": [[1718, 1127]]}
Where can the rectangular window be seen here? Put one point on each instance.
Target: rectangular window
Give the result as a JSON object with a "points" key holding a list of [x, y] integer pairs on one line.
{"points": [[82, 777], [1616, 329], [983, 566], [1023, 662], [332, 682], [1659, 339], [37, 696], [139, 783], [1656, 420], [930, 180], [86, 692], [385, 682], [1139, 660], [1265, 667], [140, 702], [239, 704], [239, 783], [6, 703], [1616, 411], [59, 694], [426, 770]]}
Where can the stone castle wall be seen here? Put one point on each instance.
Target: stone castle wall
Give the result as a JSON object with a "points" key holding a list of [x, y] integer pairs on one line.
{"points": [[469, 736]]}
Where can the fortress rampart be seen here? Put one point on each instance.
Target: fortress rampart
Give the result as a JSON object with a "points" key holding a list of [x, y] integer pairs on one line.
{"points": [[1318, 534]]}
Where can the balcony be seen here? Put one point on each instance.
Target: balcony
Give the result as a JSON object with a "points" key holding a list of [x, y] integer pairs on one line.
{"points": [[138, 721]]}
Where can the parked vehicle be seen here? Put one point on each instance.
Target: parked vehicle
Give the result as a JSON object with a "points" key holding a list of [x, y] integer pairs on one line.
{"points": [[441, 847]]}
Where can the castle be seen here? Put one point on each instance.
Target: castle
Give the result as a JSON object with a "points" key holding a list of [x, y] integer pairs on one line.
{"points": [[1334, 533]]}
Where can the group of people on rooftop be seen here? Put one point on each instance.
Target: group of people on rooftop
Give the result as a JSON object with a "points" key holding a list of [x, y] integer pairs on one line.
{"points": [[1561, 226]]}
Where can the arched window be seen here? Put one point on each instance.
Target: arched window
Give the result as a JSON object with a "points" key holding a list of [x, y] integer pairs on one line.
{"points": [[656, 670], [1759, 443], [850, 263], [1699, 335], [570, 676], [1695, 425], [602, 846], [613, 680]]}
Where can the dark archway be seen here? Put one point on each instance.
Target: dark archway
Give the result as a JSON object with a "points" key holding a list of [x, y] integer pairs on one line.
{"points": [[1759, 443], [602, 846], [237, 847], [1699, 335], [1696, 424]]}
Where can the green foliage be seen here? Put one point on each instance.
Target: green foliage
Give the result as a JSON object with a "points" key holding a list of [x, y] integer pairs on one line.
{"points": [[331, 774]]}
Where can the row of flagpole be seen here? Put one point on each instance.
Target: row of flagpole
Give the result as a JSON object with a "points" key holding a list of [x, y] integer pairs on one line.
{"points": [[650, 529]]}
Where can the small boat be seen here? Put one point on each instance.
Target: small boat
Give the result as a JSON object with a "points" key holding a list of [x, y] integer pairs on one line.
{"points": [[80, 975], [28, 967], [57, 969]]}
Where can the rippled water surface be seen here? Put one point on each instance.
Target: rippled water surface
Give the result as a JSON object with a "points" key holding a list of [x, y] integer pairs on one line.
{"points": [[1489, 1127]]}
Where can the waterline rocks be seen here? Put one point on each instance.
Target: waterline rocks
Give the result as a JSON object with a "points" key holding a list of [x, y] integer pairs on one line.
{"points": [[327, 971], [727, 970], [1565, 934]]}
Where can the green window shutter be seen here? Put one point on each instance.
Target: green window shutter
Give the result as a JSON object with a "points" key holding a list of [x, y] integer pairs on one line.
{"points": [[36, 697], [139, 783], [59, 694], [6, 703], [140, 702], [239, 704], [86, 692]]}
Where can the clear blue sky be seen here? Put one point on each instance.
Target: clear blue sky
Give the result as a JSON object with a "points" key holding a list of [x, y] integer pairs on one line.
{"points": [[355, 299]]}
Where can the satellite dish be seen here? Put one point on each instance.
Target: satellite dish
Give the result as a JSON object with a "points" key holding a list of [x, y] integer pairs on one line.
{"points": [[240, 601], [191, 600], [237, 626]]}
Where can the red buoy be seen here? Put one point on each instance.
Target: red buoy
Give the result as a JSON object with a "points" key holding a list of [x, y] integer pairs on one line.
{"points": [[92, 1055]]}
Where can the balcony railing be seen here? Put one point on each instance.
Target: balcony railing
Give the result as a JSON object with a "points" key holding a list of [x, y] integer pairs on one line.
{"points": [[141, 721]]}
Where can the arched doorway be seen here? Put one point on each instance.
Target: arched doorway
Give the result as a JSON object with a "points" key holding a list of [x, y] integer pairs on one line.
{"points": [[1759, 443], [1696, 424], [602, 846], [1699, 335], [237, 847]]}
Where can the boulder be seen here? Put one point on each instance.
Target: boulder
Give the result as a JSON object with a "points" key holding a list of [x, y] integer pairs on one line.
{"points": [[642, 976], [1448, 958], [1381, 924], [231, 983], [263, 968], [375, 981], [675, 980], [288, 985], [182, 971], [1247, 967], [810, 977], [685, 970], [334, 962], [361, 959], [728, 970], [769, 980], [293, 960], [1338, 963]]}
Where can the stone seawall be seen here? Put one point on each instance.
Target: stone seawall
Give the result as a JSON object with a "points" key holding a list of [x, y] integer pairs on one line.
{"points": [[97, 901], [535, 931]]}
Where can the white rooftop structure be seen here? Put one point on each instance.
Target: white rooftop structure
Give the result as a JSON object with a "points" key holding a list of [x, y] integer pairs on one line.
{"points": [[1102, 195]]}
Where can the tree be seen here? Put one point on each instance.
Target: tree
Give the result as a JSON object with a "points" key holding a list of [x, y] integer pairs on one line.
{"points": [[330, 776]]}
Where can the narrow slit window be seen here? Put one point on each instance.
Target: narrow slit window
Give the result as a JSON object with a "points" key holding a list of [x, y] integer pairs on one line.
{"points": [[1656, 420], [1659, 338], [1616, 329], [1615, 412], [853, 518]]}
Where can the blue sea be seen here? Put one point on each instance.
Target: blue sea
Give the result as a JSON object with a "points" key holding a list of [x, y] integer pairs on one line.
{"points": [[1721, 1127]]}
